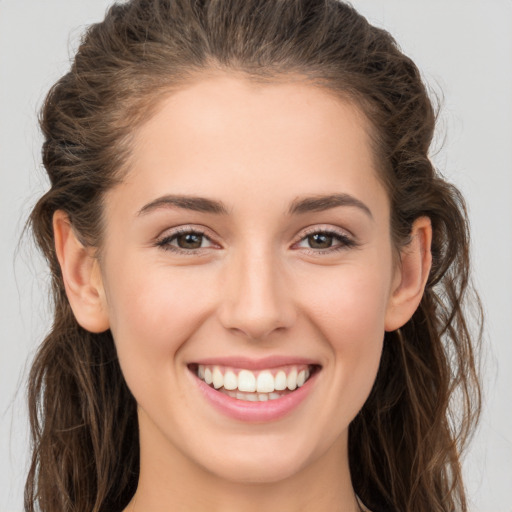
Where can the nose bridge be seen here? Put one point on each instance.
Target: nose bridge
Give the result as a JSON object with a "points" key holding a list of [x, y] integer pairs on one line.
{"points": [[255, 300]]}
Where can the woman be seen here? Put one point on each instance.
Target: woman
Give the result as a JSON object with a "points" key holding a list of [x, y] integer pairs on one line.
{"points": [[258, 275]]}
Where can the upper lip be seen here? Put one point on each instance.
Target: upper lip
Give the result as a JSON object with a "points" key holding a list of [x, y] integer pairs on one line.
{"points": [[255, 363]]}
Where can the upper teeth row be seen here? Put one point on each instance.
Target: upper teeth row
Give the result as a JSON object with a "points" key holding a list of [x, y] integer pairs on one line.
{"points": [[247, 381]]}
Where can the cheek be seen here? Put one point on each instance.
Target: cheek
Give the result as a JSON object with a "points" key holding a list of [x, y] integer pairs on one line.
{"points": [[350, 307], [349, 312], [152, 314]]}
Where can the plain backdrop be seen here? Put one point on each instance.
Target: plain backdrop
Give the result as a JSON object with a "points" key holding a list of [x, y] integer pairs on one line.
{"points": [[464, 49]]}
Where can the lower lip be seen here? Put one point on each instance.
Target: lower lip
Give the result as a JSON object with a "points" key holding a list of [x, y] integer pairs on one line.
{"points": [[243, 410]]}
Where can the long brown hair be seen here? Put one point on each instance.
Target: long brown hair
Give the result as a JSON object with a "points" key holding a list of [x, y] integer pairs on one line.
{"points": [[406, 442]]}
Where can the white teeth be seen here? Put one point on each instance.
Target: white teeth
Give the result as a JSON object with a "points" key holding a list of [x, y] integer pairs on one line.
{"points": [[217, 378], [280, 381], [246, 381], [253, 397], [262, 386], [292, 380], [265, 382], [230, 380]]}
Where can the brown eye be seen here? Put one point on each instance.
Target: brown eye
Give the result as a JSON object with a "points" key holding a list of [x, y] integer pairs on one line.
{"points": [[185, 242], [320, 241], [189, 241], [325, 242]]}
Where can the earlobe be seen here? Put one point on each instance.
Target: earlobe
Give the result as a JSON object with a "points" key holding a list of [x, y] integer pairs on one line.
{"points": [[81, 275], [412, 275]]}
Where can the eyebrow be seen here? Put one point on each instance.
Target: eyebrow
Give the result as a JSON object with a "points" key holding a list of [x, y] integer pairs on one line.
{"points": [[326, 202], [197, 204], [316, 203]]}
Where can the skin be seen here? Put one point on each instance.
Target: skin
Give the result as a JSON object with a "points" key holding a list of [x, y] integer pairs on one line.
{"points": [[255, 288]]}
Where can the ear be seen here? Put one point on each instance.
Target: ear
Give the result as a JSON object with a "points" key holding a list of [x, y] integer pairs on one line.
{"points": [[81, 274], [411, 275]]}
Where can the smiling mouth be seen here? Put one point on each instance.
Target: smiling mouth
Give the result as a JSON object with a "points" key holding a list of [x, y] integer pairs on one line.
{"points": [[255, 386]]}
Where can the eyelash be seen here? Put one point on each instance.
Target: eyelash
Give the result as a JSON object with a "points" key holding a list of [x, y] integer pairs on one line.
{"points": [[344, 241], [165, 242]]}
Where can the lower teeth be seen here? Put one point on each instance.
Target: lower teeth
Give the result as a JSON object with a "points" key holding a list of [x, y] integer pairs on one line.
{"points": [[252, 397]]}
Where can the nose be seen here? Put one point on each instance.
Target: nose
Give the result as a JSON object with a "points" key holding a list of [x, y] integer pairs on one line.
{"points": [[256, 298]]}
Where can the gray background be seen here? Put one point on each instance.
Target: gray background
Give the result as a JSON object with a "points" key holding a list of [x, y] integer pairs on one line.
{"points": [[464, 48]]}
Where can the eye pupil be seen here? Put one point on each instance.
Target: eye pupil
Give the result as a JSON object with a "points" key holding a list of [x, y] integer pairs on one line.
{"points": [[320, 241], [190, 241]]}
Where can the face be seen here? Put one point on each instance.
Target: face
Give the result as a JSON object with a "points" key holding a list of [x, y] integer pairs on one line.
{"points": [[249, 248]]}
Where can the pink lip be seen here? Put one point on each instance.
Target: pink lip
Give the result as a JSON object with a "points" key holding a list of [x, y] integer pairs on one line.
{"points": [[241, 410], [256, 364]]}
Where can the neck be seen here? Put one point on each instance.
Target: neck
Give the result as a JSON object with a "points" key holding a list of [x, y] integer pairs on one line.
{"points": [[169, 481]]}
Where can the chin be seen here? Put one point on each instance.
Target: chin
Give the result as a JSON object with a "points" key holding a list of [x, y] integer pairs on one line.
{"points": [[269, 465], [256, 472]]}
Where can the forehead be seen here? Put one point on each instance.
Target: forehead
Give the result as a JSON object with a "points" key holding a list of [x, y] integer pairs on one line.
{"points": [[223, 134]]}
